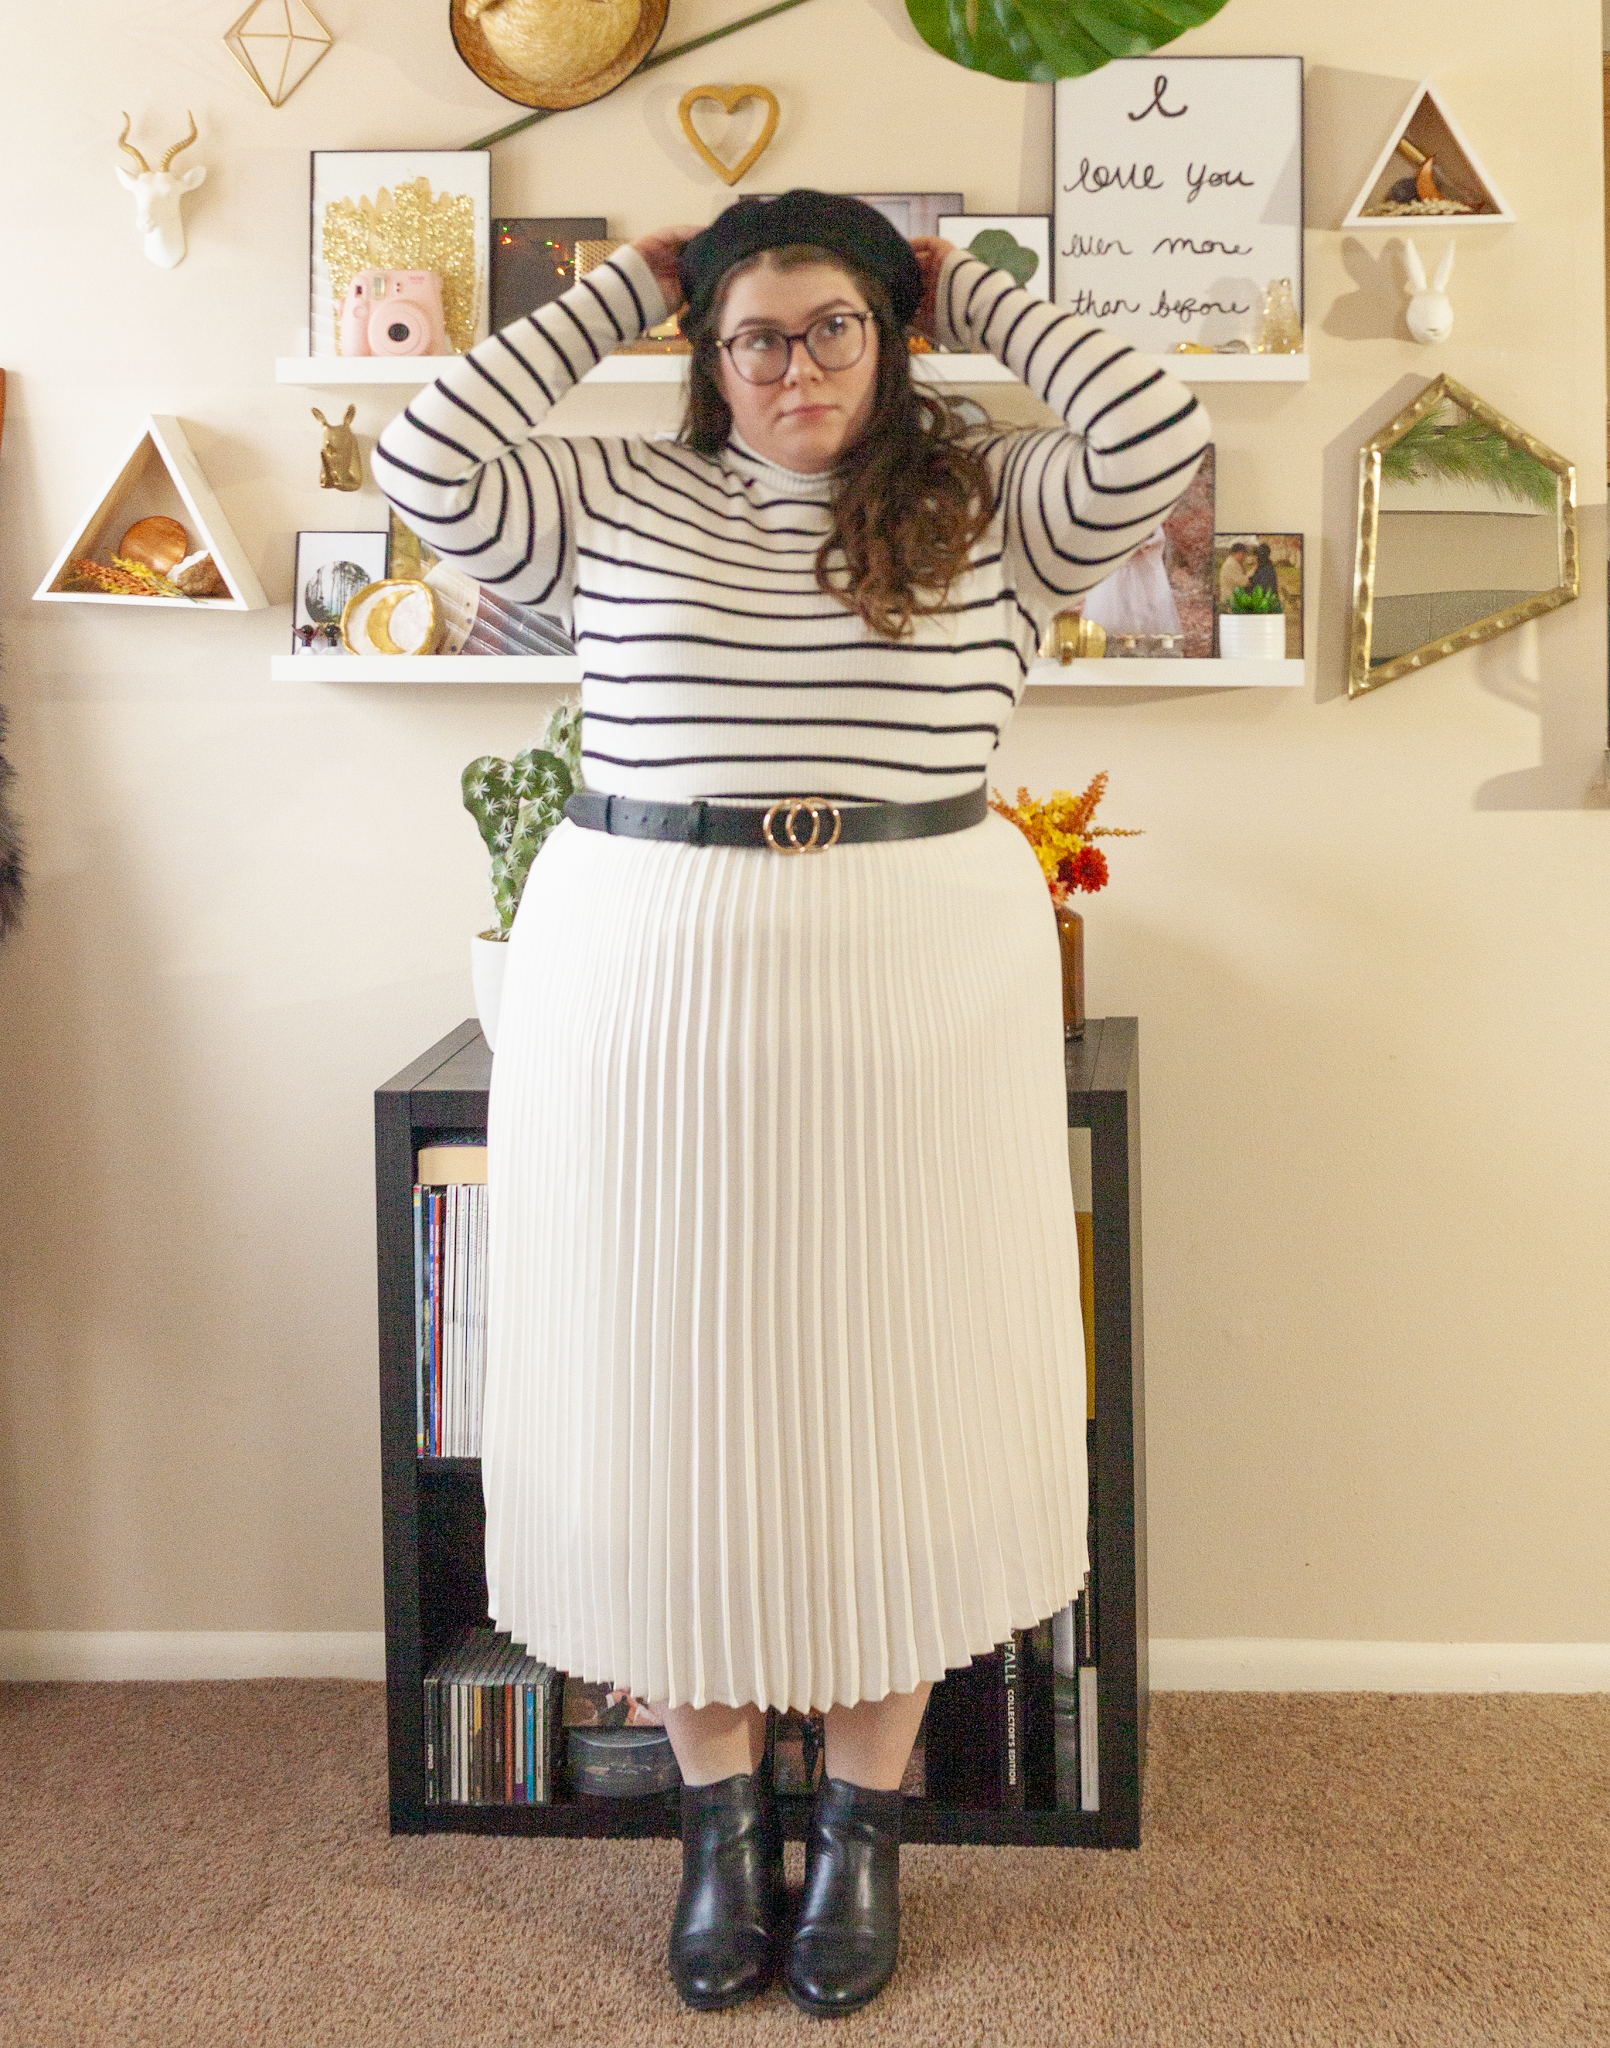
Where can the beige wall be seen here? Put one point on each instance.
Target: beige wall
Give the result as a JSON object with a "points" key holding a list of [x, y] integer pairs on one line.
{"points": [[1419, 551], [1369, 942]]}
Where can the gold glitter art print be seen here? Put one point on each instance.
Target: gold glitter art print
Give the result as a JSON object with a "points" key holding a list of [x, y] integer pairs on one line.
{"points": [[277, 43], [394, 215]]}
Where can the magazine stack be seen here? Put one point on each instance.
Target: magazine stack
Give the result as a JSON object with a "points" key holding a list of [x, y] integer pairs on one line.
{"points": [[450, 1299]]}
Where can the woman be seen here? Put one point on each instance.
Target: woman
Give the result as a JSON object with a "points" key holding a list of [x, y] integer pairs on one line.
{"points": [[785, 1388]]}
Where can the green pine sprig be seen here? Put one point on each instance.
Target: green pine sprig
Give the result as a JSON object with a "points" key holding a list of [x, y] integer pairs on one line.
{"points": [[1453, 448]]}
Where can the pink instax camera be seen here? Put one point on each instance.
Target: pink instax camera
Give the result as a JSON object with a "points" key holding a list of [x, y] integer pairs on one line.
{"points": [[393, 313]]}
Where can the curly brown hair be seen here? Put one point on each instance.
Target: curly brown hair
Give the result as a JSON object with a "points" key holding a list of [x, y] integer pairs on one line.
{"points": [[914, 491]]}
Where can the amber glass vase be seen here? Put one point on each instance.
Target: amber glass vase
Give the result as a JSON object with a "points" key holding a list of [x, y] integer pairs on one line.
{"points": [[1071, 937]]}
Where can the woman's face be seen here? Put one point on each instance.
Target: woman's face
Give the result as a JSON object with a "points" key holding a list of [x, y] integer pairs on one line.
{"points": [[810, 415]]}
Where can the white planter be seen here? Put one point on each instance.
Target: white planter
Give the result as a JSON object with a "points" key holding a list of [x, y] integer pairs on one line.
{"points": [[487, 960], [1252, 636]]}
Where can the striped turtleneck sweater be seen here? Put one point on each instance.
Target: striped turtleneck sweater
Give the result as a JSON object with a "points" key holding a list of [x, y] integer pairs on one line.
{"points": [[713, 664]]}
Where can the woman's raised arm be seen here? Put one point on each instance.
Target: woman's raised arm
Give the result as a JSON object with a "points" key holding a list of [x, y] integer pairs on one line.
{"points": [[464, 463], [1078, 500]]}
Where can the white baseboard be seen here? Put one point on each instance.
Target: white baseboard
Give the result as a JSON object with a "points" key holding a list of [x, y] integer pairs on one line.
{"points": [[1273, 1664], [79, 1654], [1228, 1664]]}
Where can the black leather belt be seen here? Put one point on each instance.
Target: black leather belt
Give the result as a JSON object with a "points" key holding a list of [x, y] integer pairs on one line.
{"points": [[793, 824]]}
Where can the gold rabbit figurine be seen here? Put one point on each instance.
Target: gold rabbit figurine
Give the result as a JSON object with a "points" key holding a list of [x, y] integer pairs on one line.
{"points": [[340, 462]]}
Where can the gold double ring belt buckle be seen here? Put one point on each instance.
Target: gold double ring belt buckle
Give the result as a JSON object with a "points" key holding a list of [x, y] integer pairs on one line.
{"points": [[784, 837]]}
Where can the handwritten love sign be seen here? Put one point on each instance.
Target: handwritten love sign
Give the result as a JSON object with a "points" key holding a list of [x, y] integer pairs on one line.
{"points": [[1179, 195]]}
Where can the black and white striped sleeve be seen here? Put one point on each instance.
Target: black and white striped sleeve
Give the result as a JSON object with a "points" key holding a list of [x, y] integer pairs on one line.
{"points": [[464, 463], [1075, 502]]}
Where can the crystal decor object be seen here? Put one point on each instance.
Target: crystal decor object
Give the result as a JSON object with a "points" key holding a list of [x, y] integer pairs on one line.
{"points": [[1280, 332], [277, 43]]}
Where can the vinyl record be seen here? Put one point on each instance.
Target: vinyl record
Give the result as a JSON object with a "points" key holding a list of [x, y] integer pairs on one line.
{"points": [[497, 71]]}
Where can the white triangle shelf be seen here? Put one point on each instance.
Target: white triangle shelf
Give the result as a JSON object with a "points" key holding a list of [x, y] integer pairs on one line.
{"points": [[158, 474], [1431, 131]]}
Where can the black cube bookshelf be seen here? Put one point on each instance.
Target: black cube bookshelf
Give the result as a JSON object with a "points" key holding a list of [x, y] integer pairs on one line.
{"points": [[434, 1532]]}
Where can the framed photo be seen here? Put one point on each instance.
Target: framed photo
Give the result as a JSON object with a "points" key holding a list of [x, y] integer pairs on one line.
{"points": [[1016, 242], [330, 569], [533, 261], [1164, 591], [913, 213], [910, 213], [400, 251], [1179, 195], [1264, 561]]}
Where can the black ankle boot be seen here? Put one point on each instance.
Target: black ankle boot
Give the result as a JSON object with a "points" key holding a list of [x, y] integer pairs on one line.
{"points": [[726, 1933], [849, 1922]]}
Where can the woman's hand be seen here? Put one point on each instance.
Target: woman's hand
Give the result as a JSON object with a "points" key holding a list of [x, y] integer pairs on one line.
{"points": [[930, 253], [661, 252]]}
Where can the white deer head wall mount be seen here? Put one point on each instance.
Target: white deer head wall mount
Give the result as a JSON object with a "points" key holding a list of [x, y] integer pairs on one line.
{"points": [[157, 195]]}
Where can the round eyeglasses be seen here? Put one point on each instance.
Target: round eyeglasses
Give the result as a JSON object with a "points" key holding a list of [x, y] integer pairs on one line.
{"points": [[761, 355]]}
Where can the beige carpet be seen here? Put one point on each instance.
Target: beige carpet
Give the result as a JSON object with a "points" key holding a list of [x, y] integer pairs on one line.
{"points": [[208, 1864]]}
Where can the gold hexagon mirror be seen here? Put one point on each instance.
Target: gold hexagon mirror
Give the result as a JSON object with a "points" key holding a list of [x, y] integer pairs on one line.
{"points": [[1466, 528]]}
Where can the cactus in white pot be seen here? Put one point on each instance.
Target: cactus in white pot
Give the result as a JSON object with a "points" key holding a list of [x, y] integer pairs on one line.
{"points": [[516, 804]]}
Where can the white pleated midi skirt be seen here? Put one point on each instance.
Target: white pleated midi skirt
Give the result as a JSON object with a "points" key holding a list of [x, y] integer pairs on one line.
{"points": [[785, 1391]]}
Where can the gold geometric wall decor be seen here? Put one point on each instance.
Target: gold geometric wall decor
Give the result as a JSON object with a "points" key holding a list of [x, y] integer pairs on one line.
{"points": [[1467, 527], [277, 43]]}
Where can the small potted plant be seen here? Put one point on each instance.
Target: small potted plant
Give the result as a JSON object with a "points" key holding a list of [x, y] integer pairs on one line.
{"points": [[1254, 627], [516, 804], [1060, 831]]}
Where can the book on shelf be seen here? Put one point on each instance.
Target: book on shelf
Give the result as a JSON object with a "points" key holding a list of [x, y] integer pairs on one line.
{"points": [[491, 1723], [1014, 1708], [966, 1734], [450, 1226], [1076, 1691], [1004, 1733]]}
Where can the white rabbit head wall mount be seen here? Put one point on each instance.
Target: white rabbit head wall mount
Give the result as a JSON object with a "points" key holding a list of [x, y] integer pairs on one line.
{"points": [[1430, 314]]}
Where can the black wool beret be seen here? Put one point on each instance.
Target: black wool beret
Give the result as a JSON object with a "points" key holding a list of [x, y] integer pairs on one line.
{"points": [[829, 220]]}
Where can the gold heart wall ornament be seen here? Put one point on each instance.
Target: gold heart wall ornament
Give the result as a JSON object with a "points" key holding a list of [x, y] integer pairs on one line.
{"points": [[729, 98]]}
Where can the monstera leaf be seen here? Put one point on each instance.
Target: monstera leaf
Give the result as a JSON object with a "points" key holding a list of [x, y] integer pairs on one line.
{"points": [[1042, 40]]}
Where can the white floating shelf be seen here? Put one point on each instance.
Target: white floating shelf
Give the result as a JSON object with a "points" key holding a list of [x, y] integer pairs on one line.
{"points": [[426, 668], [331, 372], [1168, 675], [566, 668], [1234, 369]]}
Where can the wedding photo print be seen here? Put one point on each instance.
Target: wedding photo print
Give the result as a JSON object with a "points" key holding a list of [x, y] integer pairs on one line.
{"points": [[1158, 604], [1259, 576]]}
